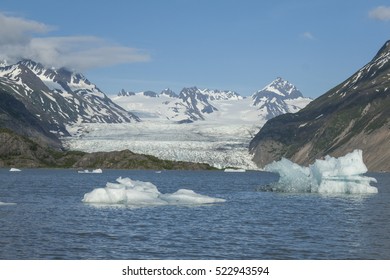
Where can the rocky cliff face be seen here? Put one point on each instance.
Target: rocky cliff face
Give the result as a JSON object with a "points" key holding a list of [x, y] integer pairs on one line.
{"points": [[15, 116], [353, 115]]}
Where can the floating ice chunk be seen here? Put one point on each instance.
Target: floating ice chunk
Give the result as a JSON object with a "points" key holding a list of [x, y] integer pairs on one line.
{"points": [[93, 171], [330, 175], [15, 169], [6, 203], [293, 177], [234, 170], [184, 196], [138, 193], [348, 165]]}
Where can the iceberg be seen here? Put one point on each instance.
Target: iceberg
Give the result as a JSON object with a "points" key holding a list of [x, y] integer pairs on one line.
{"points": [[234, 170], [135, 193], [329, 175], [14, 170]]}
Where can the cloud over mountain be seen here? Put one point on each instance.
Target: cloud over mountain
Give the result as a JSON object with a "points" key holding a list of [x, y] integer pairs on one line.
{"points": [[380, 13], [19, 39]]}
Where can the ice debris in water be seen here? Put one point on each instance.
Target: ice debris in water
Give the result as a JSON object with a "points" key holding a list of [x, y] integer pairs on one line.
{"points": [[6, 203], [138, 193], [330, 175]]}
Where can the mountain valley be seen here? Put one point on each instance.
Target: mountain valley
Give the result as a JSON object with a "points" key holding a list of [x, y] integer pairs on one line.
{"points": [[63, 110], [196, 125]]}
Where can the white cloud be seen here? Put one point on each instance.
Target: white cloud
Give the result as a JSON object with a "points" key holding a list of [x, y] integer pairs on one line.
{"points": [[380, 13], [308, 35], [81, 52], [17, 41], [16, 30]]}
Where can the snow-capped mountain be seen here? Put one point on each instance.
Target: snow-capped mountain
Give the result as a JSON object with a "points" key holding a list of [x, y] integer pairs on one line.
{"points": [[196, 103], [279, 97], [193, 104], [166, 92], [3, 63], [169, 93], [215, 94], [190, 105], [60, 97]]}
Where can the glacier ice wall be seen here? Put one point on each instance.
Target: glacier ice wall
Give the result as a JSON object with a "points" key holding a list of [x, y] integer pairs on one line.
{"points": [[330, 175]]}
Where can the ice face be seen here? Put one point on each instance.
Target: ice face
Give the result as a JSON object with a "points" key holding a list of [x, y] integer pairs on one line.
{"points": [[134, 193], [330, 175]]}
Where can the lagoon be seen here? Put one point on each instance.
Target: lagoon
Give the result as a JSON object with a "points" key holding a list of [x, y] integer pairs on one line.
{"points": [[42, 216]]}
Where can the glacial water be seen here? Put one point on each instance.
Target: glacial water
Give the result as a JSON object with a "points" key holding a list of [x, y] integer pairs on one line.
{"points": [[42, 216]]}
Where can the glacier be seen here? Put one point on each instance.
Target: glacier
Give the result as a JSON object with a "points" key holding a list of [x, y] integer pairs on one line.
{"points": [[220, 145], [205, 126], [330, 175], [133, 193], [221, 139]]}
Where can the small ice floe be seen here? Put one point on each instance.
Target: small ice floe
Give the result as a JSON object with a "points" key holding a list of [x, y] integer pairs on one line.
{"points": [[234, 170], [6, 203], [330, 175], [134, 193], [93, 171], [14, 170]]}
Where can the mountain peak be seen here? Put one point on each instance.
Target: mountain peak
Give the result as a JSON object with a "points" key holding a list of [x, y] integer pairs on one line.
{"points": [[274, 99], [60, 97], [283, 88], [374, 72], [215, 94], [168, 92], [279, 89], [385, 50], [3, 63]]}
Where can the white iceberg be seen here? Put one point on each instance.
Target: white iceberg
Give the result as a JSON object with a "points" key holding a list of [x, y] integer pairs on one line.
{"points": [[14, 170], [330, 175], [134, 193], [234, 170]]}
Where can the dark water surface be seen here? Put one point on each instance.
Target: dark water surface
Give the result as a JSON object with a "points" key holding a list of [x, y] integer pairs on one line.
{"points": [[49, 221]]}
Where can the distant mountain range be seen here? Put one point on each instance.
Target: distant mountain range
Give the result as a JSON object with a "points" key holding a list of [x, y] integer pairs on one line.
{"points": [[42, 105], [193, 104], [353, 115]]}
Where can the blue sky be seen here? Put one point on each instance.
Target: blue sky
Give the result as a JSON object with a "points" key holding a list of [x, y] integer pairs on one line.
{"points": [[237, 45]]}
